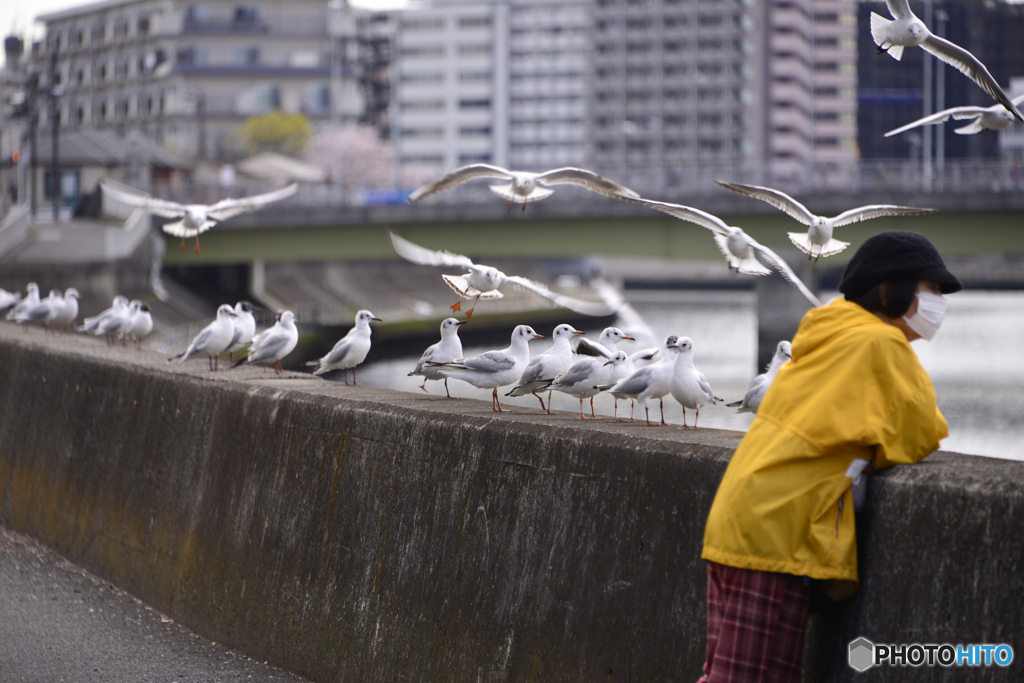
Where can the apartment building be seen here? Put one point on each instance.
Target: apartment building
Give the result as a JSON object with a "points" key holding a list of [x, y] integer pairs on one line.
{"points": [[187, 74]]}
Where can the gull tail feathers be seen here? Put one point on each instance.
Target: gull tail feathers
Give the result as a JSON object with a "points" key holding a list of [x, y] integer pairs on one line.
{"points": [[461, 286], [804, 244], [749, 265], [734, 404], [506, 193], [879, 29]]}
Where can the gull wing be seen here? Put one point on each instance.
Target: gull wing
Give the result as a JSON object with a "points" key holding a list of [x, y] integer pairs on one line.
{"points": [[585, 347], [635, 383], [178, 229], [201, 341], [571, 175], [686, 213], [492, 361], [784, 270], [226, 208], [270, 346], [580, 371], [645, 354], [337, 353], [864, 213], [458, 177], [578, 305], [780, 200], [506, 193], [969, 65], [160, 207], [939, 117], [427, 257], [705, 386], [899, 9]]}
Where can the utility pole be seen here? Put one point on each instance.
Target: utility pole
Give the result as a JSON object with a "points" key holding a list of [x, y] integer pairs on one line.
{"points": [[54, 134], [31, 92], [941, 17], [926, 131]]}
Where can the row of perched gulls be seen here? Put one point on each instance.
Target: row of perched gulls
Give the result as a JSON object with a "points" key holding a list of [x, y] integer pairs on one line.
{"points": [[125, 320]]}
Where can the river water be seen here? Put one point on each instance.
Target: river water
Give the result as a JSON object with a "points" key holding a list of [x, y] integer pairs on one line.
{"points": [[975, 362]]}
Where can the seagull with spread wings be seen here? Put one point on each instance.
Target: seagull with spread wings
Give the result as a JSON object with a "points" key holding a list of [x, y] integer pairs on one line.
{"points": [[906, 30], [483, 282], [818, 241], [193, 219], [996, 117], [524, 186], [737, 246]]}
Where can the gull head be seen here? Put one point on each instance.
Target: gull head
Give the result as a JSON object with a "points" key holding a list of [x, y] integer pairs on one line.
{"points": [[245, 307], [55, 294], [524, 185], [286, 318], [784, 349], [144, 308], [71, 291], [683, 345], [120, 301], [135, 306], [225, 311], [619, 357], [364, 317], [32, 287], [565, 332], [450, 326], [525, 332], [615, 335]]}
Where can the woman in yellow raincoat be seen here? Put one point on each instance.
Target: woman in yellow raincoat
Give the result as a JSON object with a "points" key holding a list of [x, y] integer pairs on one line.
{"points": [[853, 399]]}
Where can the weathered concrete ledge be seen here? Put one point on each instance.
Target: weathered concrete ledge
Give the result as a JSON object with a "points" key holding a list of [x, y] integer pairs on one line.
{"points": [[365, 535]]}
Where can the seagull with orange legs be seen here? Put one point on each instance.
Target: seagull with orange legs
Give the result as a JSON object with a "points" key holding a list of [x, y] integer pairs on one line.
{"points": [[275, 342], [495, 368], [350, 350], [444, 351], [524, 186], [483, 282], [190, 220]]}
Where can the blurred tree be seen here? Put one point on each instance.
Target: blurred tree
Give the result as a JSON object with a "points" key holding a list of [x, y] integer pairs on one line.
{"points": [[364, 160], [275, 132]]}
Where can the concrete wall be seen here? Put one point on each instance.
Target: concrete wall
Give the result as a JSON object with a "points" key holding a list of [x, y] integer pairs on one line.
{"points": [[356, 534]]}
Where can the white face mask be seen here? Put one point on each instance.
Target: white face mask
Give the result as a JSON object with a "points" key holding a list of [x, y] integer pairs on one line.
{"points": [[931, 309]]}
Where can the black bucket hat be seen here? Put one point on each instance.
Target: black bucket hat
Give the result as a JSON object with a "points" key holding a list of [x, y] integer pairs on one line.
{"points": [[896, 255]]}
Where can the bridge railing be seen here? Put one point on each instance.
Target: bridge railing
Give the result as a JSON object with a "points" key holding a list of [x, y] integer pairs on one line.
{"points": [[676, 180]]}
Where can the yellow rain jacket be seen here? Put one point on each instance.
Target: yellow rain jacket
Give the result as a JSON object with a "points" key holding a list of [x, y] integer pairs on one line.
{"points": [[854, 389]]}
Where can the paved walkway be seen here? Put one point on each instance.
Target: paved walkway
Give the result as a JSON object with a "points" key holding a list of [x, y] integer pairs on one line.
{"points": [[61, 624]]}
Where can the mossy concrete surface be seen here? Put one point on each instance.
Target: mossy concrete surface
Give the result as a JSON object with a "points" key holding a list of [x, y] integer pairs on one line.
{"points": [[349, 533]]}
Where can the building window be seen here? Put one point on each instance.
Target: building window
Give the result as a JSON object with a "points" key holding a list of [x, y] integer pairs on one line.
{"points": [[475, 131], [197, 14], [474, 22], [99, 32], [423, 77], [425, 159], [247, 56], [422, 133], [423, 51], [475, 104], [270, 97], [432, 24], [121, 28], [475, 49], [192, 56], [474, 76], [79, 114], [319, 99], [423, 105], [247, 16], [68, 186], [143, 25], [484, 158]]}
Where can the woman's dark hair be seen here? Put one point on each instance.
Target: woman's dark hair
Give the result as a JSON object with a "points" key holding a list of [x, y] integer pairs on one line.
{"points": [[891, 298]]}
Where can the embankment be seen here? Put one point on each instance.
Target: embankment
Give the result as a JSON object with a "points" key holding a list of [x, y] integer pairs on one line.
{"points": [[363, 535]]}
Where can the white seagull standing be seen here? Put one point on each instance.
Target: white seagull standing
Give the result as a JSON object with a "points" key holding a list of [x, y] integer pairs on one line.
{"points": [[483, 282], [193, 219], [41, 311], [759, 385], [652, 381], [117, 308], [7, 299], [140, 323], [907, 30], [26, 302], [115, 324], [494, 369], [444, 351], [737, 246], [622, 367], [213, 339], [545, 366], [245, 328], [524, 186], [688, 385], [350, 350], [996, 117], [68, 310], [818, 240], [274, 342]]}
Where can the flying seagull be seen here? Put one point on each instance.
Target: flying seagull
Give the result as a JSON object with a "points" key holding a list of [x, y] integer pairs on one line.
{"points": [[906, 30], [996, 117], [524, 186], [737, 246], [193, 219], [818, 241], [483, 282]]}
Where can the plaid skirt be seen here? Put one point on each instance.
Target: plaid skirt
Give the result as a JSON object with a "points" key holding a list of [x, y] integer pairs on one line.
{"points": [[756, 624]]}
